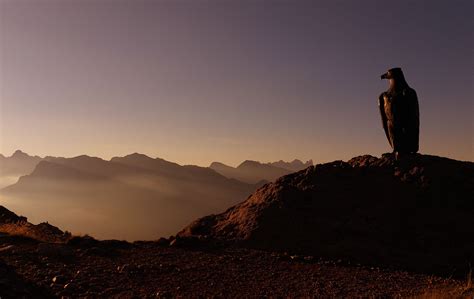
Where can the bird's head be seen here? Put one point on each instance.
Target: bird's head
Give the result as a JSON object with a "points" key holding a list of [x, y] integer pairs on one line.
{"points": [[394, 75]]}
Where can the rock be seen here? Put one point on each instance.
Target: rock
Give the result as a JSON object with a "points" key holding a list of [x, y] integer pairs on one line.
{"points": [[58, 279], [7, 216], [370, 210], [13, 285], [191, 242], [99, 251], [115, 244], [82, 241], [7, 248], [123, 268], [163, 242], [164, 294], [18, 226]]}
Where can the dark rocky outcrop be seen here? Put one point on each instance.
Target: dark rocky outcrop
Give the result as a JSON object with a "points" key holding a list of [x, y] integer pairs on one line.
{"points": [[417, 213], [7, 216], [14, 225]]}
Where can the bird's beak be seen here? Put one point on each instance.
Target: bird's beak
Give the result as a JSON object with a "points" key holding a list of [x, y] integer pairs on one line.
{"points": [[384, 76]]}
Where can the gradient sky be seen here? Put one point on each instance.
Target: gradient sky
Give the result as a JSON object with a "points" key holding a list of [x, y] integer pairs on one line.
{"points": [[199, 81]]}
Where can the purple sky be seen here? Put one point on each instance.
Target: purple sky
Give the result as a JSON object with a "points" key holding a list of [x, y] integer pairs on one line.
{"points": [[199, 81]]}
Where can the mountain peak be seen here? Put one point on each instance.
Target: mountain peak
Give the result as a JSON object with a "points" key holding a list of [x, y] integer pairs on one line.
{"points": [[247, 163], [249, 171], [217, 164], [295, 165], [137, 156], [20, 154]]}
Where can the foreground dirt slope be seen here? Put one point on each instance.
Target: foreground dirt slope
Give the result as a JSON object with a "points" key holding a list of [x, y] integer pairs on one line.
{"points": [[31, 269], [415, 214]]}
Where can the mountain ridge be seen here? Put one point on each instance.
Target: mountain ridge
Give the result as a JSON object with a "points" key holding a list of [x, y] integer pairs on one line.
{"points": [[156, 196], [19, 163], [250, 171]]}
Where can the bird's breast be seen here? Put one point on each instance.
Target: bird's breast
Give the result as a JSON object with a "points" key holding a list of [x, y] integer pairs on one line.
{"points": [[388, 107]]}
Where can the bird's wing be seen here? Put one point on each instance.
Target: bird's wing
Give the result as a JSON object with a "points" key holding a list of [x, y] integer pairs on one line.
{"points": [[413, 118], [413, 111], [415, 107], [384, 117]]}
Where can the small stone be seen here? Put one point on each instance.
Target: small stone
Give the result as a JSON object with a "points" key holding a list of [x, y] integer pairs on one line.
{"points": [[58, 279], [123, 268], [174, 242], [6, 248], [163, 242]]}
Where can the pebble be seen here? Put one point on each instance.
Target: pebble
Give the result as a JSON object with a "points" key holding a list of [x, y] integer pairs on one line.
{"points": [[58, 279], [6, 248]]}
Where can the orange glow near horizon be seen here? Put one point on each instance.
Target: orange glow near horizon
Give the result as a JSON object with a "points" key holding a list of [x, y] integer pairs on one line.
{"points": [[196, 83]]}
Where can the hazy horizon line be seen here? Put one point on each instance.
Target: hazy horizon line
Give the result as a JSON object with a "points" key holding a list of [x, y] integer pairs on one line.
{"points": [[42, 156]]}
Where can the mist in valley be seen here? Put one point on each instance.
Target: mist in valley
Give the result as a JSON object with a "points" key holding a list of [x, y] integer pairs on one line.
{"points": [[120, 199], [7, 181]]}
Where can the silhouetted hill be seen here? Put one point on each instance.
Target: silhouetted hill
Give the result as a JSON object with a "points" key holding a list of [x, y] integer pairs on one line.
{"points": [[15, 225], [7, 216], [295, 165], [132, 197], [416, 213], [250, 171]]}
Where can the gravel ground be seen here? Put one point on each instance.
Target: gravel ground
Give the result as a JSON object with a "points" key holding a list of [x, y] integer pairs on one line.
{"points": [[149, 270]]}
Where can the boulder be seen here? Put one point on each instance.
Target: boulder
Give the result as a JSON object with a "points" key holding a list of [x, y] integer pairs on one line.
{"points": [[416, 214]]}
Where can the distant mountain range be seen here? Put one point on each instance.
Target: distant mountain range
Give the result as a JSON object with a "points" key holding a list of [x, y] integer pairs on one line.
{"points": [[254, 172], [156, 197], [295, 165], [90, 195]]}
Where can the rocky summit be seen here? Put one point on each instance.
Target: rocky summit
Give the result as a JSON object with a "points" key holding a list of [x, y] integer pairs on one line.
{"points": [[415, 214]]}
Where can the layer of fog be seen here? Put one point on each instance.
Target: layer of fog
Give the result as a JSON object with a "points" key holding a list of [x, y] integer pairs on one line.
{"points": [[7, 181], [131, 208]]}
